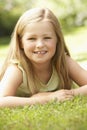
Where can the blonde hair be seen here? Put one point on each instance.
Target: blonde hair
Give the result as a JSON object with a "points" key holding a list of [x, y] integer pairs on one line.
{"points": [[16, 52]]}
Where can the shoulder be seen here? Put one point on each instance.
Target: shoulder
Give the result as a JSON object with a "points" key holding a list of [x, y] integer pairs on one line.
{"points": [[12, 76], [72, 64], [14, 71], [11, 80], [13, 68], [76, 72]]}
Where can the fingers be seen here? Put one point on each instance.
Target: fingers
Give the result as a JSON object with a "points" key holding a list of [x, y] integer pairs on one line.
{"points": [[63, 95], [64, 98], [65, 92]]}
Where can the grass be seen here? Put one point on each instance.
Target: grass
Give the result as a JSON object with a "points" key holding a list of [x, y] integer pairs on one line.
{"points": [[68, 115], [4, 42], [77, 42]]}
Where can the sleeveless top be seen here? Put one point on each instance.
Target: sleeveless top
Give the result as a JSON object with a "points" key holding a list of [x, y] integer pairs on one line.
{"points": [[23, 89]]}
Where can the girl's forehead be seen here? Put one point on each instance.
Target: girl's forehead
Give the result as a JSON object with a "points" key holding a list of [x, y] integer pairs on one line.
{"points": [[42, 28], [39, 26]]}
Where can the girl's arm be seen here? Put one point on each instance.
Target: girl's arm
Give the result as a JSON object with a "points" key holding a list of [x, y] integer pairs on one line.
{"points": [[40, 98], [80, 91], [12, 101], [78, 75]]}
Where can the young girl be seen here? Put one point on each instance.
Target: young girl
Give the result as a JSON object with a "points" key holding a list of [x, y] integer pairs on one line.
{"points": [[38, 67]]}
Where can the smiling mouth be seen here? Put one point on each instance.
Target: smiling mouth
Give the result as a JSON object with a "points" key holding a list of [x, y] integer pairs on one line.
{"points": [[40, 52]]}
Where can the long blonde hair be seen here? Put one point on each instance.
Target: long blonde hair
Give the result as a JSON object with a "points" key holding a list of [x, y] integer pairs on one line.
{"points": [[16, 52]]}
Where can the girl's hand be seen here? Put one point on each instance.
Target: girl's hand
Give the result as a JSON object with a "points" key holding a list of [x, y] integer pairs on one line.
{"points": [[61, 95]]}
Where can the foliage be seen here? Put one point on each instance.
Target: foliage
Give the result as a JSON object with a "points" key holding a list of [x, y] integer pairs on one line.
{"points": [[9, 13], [70, 12], [68, 115]]}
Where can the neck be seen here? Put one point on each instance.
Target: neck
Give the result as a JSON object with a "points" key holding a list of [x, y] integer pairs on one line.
{"points": [[42, 67], [43, 72]]}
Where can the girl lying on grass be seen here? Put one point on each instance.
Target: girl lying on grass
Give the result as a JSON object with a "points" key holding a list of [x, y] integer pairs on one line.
{"points": [[38, 67]]}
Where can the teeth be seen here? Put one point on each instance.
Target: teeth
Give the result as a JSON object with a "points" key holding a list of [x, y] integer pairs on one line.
{"points": [[40, 52]]}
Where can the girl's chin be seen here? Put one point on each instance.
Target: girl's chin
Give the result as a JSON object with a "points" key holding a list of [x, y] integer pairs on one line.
{"points": [[40, 61]]}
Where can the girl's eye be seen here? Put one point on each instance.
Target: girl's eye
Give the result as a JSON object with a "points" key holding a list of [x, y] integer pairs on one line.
{"points": [[47, 37], [31, 39]]}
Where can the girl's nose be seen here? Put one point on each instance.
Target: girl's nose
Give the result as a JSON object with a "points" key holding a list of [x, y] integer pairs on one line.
{"points": [[40, 44]]}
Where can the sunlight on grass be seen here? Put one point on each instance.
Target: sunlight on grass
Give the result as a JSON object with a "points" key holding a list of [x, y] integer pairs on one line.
{"points": [[3, 48], [77, 45], [68, 115], [77, 42], [3, 53]]}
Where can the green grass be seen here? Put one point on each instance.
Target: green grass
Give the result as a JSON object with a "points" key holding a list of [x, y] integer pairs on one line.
{"points": [[68, 115], [4, 44]]}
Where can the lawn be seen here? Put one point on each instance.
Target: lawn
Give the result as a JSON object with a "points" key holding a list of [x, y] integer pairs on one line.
{"points": [[77, 45], [68, 115], [4, 44]]}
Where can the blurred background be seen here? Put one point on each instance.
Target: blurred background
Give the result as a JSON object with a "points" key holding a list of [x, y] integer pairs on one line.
{"points": [[72, 15]]}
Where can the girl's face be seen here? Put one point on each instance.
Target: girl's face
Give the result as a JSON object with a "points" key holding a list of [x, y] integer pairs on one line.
{"points": [[39, 42]]}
